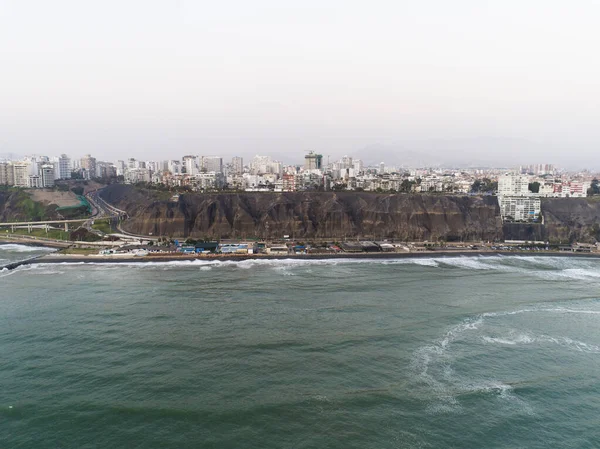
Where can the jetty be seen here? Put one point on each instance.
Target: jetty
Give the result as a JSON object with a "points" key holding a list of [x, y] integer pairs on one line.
{"points": [[18, 263]]}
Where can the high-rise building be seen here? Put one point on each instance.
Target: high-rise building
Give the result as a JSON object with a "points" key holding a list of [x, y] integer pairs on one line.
{"points": [[265, 165], [88, 164], [189, 162], [47, 175], [237, 164], [6, 174], [105, 170], [358, 166], [520, 208], [120, 168], [212, 164], [345, 162], [513, 185], [64, 167], [313, 161], [174, 167], [21, 172]]}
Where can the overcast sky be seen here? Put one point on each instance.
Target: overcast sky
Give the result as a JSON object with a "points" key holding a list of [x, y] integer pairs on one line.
{"points": [[502, 81]]}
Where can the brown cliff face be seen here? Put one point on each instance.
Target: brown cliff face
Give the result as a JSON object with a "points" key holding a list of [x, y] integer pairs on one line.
{"points": [[568, 220], [309, 215]]}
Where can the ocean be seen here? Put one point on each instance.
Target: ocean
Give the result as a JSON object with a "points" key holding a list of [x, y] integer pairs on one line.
{"points": [[465, 352]]}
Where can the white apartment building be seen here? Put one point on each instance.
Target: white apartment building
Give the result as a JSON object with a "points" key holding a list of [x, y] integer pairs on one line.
{"points": [[516, 202], [64, 167], [358, 166], [264, 164], [190, 164], [513, 185], [237, 164], [47, 175], [138, 175], [174, 167], [21, 172], [34, 181], [520, 208], [208, 180], [346, 162], [120, 165], [6, 174], [212, 164]]}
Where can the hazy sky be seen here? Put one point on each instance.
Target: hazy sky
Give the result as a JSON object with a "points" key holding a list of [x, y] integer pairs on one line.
{"points": [[440, 79]]}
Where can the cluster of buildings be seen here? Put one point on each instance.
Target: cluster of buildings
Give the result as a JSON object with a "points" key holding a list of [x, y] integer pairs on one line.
{"points": [[519, 195], [519, 201], [35, 171]]}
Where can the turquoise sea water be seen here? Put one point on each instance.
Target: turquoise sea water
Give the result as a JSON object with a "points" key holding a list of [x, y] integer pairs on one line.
{"points": [[465, 352]]}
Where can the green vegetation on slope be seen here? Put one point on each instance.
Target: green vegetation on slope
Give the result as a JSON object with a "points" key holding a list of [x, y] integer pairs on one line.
{"points": [[54, 234], [103, 226]]}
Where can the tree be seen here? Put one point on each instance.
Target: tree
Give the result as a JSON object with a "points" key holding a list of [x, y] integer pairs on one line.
{"points": [[594, 187], [477, 185], [406, 185], [534, 187], [484, 185]]}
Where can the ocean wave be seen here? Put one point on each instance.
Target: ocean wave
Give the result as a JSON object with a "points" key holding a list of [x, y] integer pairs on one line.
{"points": [[540, 309], [550, 269], [432, 364], [468, 263], [578, 273], [422, 261], [567, 342], [17, 248], [520, 339]]}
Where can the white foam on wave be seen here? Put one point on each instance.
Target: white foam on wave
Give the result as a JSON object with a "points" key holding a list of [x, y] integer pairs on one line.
{"points": [[540, 310], [561, 268], [279, 264], [567, 342], [469, 263], [502, 389], [50, 272], [436, 354], [519, 339], [287, 266], [578, 273], [16, 248], [4, 272], [422, 261], [579, 346], [432, 363]]}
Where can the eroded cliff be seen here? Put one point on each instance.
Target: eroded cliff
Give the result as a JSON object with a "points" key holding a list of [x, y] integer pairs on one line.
{"points": [[309, 215]]}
